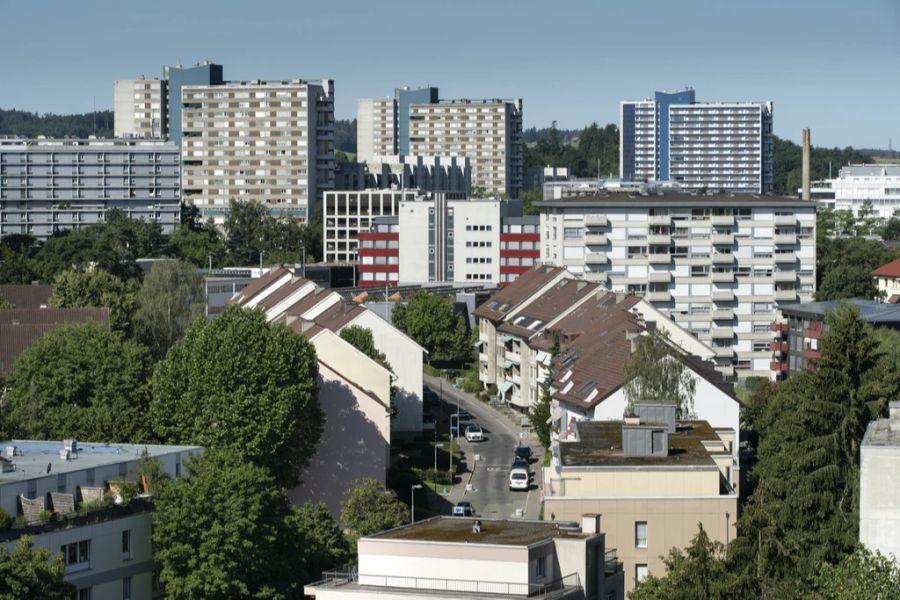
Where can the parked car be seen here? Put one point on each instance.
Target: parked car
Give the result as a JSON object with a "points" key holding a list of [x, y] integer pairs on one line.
{"points": [[523, 452], [518, 478], [474, 433], [463, 416], [463, 509], [520, 463]]}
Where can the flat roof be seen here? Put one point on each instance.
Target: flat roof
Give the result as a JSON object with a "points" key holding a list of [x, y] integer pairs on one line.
{"points": [[880, 433], [869, 310], [36, 455], [673, 199], [500, 532], [600, 445]]}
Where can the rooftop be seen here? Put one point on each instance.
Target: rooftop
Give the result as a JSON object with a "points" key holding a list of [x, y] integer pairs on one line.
{"points": [[26, 296], [869, 310], [525, 285], [883, 432], [891, 269], [34, 457], [678, 199], [493, 531], [599, 444]]}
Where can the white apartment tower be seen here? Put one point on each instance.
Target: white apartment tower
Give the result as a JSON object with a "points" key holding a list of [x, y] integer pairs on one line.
{"points": [[718, 265], [268, 141], [376, 128], [140, 109], [715, 146]]}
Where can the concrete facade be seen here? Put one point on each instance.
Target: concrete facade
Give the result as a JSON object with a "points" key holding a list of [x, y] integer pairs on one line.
{"points": [[140, 108], [856, 185], [879, 487], [718, 265], [53, 185], [376, 128], [268, 141]]}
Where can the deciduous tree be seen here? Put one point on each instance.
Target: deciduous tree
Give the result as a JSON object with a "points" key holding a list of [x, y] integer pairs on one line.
{"points": [[430, 320], [325, 548], [28, 573], [75, 289], [656, 373], [369, 508], [862, 574], [172, 296]]}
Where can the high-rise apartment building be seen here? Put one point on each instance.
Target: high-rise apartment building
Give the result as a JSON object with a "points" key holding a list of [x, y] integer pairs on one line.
{"points": [[268, 141], [140, 108], [53, 185], [205, 73], [415, 121], [717, 146], [717, 264]]}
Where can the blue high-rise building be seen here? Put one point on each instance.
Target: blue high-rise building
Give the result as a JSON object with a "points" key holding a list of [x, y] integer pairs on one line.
{"points": [[205, 73], [725, 146], [404, 97]]}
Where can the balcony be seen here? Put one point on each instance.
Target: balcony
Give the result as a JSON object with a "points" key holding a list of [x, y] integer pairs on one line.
{"points": [[662, 258], [596, 258], [786, 295], [483, 358], [722, 276], [779, 327], [721, 314], [660, 276], [723, 258], [809, 353], [785, 238], [785, 276], [659, 220], [723, 239], [785, 257], [813, 331], [722, 220], [722, 333], [659, 239], [665, 296], [512, 357], [599, 239], [785, 220], [778, 346], [723, 295], [723, 351], [596, 221], [779, 365]]}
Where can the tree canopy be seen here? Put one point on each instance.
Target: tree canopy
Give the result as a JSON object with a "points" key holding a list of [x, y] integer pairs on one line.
{"points": [[369, 508], [81, 381], [76, 289], [361, 338], [241, 384], [862, 574], [172, 296], [28, 573], [325, 547], [656, 373], [429, 319]]}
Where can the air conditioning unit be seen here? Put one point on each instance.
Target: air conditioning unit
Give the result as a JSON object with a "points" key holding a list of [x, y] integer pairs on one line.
{"points": [[70, 444]]}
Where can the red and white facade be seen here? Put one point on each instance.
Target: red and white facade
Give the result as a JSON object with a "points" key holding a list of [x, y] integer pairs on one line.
{"points": [[520, 248], [378, 254]]}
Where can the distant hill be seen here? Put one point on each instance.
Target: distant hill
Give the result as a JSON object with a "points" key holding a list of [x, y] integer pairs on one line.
{"points": [[28, 124]]}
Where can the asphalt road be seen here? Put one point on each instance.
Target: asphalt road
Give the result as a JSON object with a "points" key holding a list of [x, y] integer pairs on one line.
{"points": [[490, 493]]}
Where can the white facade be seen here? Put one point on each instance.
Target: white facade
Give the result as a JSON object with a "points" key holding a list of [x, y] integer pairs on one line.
{"points": [[346, 213], [857, 184], [879, 487], [270, 142], [376, 128], [717, 265], [140, 109]]}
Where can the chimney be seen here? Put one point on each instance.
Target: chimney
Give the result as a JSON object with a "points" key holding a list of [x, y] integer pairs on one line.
{"points": [[806, 194], [894, 413], [590, 523]]}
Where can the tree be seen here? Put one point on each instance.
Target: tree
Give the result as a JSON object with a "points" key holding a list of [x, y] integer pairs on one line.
{"points": [[200, 245], [238, 383], [429, 319], [4, 303], [81, 381], [325, 548], [245, 228], [540, 415], [861, 574], [361, 338], [28, 573], [75, 289], [369, 508], [697, 573], [227, 531], [171, 298], [529, 198], [656, 373]]}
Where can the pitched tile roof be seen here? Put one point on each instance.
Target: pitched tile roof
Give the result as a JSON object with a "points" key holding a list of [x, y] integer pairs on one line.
{"points": [[27, 296], [525, 285], [258, 285], [549, 305], [891, 269]]}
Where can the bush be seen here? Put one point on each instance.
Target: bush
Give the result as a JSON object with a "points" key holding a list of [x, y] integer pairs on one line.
{"points": [[6, 521], [438, 476]]}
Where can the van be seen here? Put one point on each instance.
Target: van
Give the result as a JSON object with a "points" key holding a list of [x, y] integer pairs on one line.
{"points": [[518, 478]]}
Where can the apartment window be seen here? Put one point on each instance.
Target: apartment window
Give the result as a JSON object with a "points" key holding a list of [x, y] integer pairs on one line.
{"points": [[126, 588], [540, 567], [83, 594], [77, 555], [573, 233], [640, 534], [126, 544], [640, 573]]}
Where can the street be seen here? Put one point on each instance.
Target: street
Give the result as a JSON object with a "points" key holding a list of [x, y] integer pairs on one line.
{"points": [[490, 494]]}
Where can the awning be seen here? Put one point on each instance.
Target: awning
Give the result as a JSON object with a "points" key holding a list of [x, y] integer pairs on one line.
{"points": [[508, 363], [507, 337], [894, 299], [504, 387], [478, 344]]}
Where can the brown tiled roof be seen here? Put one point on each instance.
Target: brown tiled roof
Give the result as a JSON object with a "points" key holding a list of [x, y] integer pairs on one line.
{"points": [[525, 285], [20, 328], [307, 302], [548, 306], [594, 345], [281, 293], [339, 315], [258, 285], [891, 269], [26, 296]]}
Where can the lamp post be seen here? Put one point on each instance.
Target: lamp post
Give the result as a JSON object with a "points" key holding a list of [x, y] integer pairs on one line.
{"points": [[412, 500]]}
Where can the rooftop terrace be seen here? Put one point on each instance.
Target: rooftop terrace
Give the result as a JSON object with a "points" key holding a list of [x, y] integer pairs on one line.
{"points": [[459, 530]]}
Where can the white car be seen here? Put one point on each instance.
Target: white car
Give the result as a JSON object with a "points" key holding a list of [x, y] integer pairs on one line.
{"points": [[474, 433], [518, 478]]}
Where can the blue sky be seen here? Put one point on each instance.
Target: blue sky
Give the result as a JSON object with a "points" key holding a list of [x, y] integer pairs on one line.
{"points": [[832, 66]]}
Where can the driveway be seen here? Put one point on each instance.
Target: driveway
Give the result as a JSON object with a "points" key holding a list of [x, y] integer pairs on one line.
{"points": [[490, 494]]}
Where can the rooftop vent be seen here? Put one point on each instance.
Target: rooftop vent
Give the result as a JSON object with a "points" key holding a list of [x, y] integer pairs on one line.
{"points": [[70, 444], [10, 452]]}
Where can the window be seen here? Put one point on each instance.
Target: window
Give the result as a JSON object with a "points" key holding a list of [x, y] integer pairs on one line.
{"points": [[640, 534], [83, 594], [126, 588], [126, 544], [640, 573], [540, 567], [77, 555], [573, 233]]}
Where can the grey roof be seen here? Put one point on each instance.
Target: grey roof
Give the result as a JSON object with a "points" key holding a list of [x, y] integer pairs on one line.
{"points": [[874, 312], [674, 199], [36, 455], [890, 170], [880, 433]]}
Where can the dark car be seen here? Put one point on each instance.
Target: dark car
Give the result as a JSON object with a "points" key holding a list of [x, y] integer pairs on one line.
{"points": [[523, 452], [463, 509], [520, 463]]}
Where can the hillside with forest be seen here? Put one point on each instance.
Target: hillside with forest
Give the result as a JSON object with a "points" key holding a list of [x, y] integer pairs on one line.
{"points": [[23, 123]]}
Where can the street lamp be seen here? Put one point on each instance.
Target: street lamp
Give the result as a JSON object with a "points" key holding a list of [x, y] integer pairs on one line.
{"points": [[412, 500]]}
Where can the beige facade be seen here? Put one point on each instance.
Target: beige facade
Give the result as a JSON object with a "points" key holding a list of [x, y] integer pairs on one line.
{"points": [[270, 142], [376, 128], [140, 109], [488, 132]]}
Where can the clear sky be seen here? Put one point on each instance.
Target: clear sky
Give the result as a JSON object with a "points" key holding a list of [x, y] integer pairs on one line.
{"points": [[833, 66]]}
